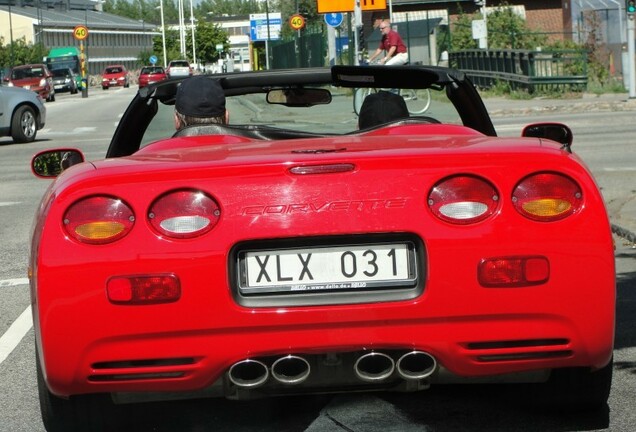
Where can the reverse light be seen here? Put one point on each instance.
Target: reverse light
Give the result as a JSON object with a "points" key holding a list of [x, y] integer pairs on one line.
{"points": [[463, 199], [98, 220], [143, 290], [184, 214], [547, 197], [510, 272]]}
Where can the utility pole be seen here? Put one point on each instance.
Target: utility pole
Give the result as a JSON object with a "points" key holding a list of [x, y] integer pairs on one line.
{"points": [[630, 8], [357, 20]]}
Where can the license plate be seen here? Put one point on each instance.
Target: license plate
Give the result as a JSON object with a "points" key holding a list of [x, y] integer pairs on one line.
{"points": [[333, 268], [57, 87]]}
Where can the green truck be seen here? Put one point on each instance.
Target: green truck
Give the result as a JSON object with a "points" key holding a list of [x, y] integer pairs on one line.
{"points": [[65, 57]]}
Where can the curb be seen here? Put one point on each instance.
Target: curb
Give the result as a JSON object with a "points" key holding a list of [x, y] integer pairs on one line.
{"points": [[624, 233]]}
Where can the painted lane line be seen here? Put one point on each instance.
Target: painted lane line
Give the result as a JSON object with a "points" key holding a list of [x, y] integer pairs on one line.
{"points": [[13, 282], [15, 334], [9, 203], [620, 169]]}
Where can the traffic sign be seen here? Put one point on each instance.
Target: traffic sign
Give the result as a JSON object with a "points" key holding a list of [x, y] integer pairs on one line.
{"points": [[334, 19], [153, 59], [326, 6], [258, 26], [80, 32], [296, 22]]}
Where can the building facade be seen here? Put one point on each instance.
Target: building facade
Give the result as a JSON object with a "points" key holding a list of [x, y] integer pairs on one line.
{"points": [[111, 39]]}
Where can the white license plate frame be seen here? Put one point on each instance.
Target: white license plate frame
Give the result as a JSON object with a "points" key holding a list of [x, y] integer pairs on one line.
{"points": [[337, 267]]}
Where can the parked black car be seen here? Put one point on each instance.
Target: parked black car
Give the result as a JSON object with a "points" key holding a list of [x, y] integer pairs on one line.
{"points": [[64, 80]]}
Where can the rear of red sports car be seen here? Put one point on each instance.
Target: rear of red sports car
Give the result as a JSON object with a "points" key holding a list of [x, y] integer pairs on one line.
{"points": [[392, 259]]}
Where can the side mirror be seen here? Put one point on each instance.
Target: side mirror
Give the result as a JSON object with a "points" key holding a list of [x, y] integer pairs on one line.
{"points": [[553, 131], [51, 163]]}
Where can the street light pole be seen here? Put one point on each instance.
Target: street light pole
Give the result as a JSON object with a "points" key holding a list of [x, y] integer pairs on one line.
{"points": [[194, 50], [268, 35], [10, 36], [163, 35]]}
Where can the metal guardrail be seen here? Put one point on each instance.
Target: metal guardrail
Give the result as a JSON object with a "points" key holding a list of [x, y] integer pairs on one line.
{"points": [[524, 69]]}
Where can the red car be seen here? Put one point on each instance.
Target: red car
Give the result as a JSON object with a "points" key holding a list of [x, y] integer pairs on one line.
{"points": [[113, 76], [151, 75], [289, 252], [35, 77]]}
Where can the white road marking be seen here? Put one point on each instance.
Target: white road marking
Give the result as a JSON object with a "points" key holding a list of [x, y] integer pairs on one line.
{"points": [[75, 131], [20, 326], [15, 334], [8, 203], [13, 282], [621, 169]]}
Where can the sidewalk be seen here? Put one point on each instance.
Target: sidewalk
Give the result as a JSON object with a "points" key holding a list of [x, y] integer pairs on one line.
{"points": [[500, 106]]}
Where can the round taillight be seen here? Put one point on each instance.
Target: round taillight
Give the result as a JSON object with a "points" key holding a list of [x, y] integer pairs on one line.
{"points": [[463, 199], [547, 197], [98, 220], [184, 214]]}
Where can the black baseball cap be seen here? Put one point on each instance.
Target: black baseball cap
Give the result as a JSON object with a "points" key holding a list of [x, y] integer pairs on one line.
{"points": [[200, 96], [381, 107]]}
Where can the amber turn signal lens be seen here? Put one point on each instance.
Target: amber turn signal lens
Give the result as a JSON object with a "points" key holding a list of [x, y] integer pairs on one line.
{"points": [[547, 197], [98, 220]]}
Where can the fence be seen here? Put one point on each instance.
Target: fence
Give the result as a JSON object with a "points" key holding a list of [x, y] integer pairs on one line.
{"points": [[301, 52], [524, 69]]}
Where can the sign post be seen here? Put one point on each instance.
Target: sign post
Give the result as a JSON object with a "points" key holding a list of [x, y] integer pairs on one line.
{"points": [[80, 33], [265, 27], [630, 8]]}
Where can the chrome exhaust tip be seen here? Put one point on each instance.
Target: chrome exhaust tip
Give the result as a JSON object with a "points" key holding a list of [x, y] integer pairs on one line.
{"points": [[374, 366], [248, 373], [290, 369], [416, 365]]}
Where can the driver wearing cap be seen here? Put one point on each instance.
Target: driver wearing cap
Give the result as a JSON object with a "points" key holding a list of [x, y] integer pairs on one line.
{"points": [[200, 100]]}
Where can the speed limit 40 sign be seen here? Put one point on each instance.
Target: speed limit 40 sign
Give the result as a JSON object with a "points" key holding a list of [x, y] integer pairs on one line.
{"points": [[80, 32], [296, 22]]}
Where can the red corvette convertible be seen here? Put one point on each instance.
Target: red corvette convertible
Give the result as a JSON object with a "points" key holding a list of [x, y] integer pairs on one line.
{"points": [[289, 252]]}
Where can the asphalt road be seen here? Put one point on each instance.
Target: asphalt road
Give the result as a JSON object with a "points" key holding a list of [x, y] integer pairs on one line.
{"points": [[604, 139]]}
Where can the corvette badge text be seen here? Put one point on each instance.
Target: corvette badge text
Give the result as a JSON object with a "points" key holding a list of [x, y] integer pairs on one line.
{"points": [[327, 206]]}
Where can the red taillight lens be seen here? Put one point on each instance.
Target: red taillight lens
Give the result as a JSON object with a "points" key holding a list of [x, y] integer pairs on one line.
{"points": [[463, 199], [99, 220], [184, 214], [513, 271], [143, 290], [547, 197]]}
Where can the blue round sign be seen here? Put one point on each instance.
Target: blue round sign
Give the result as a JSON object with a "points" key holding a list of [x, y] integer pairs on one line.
{"points": [[153, 59], [334, 19]]}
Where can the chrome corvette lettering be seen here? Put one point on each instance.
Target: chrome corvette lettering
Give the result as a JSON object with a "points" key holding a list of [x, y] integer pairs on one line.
{"points": [[327, 206]]}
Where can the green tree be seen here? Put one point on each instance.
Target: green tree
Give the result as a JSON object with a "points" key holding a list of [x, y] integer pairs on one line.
{"points": [[506, 30], [207, 37], [20, 52]]}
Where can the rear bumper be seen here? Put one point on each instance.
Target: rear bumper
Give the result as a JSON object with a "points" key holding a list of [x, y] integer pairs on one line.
{"points": [[170, 350]]}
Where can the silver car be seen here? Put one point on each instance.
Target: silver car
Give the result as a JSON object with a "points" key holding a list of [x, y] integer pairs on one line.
{"points": [[179, 68], [22, 114]]}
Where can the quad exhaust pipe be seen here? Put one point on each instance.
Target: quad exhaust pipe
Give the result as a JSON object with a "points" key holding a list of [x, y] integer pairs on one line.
{"points": [[416, 365], [248, 373], [290, 369], [377, 366], [372, 366], [252, 373]]}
